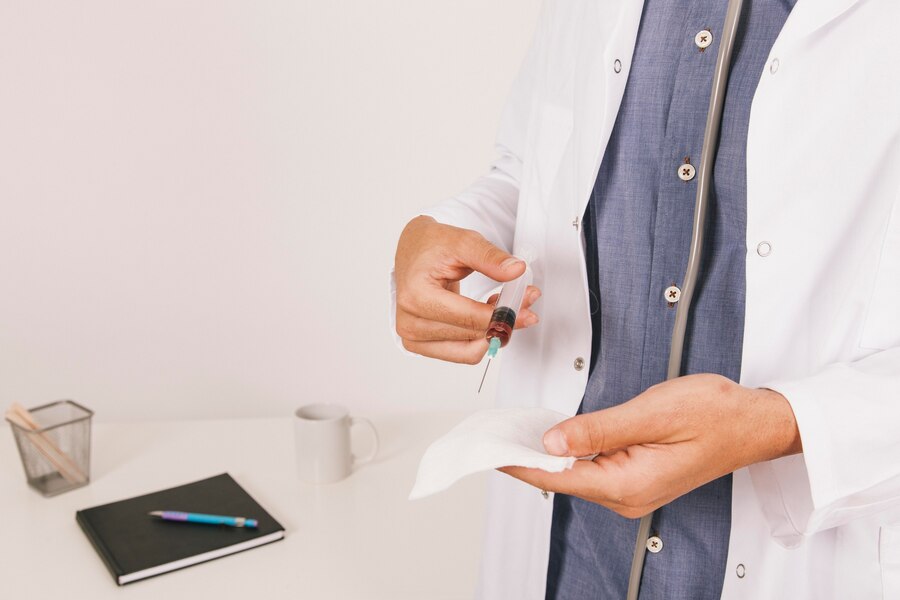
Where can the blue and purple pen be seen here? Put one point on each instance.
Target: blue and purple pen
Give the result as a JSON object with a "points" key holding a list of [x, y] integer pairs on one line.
{"points": [[186, 517]]}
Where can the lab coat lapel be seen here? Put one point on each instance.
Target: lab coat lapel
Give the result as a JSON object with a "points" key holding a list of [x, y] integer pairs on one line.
{"points": [[809, 16], [609, 34]]}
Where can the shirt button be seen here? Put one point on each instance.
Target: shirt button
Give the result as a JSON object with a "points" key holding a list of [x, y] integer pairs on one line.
{"points": [[703, 39], [672, 294], [617, 66], [686, 172], [654, 544], [764, 249], [741, 571], [579, 363], [773, 66]]}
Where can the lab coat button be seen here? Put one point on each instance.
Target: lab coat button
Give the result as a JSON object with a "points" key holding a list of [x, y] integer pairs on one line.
{"points": [[672, 294], [686, 172], [741, 571], [654, 544], [617, 66], [764, 249], [579, 364], [703, 39], [773, 66]]}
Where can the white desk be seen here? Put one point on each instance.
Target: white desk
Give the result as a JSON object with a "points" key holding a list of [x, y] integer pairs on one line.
{"points": [[358, 539]]}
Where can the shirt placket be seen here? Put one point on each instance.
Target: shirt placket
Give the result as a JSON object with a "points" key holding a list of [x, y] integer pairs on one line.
{"points": [[679, 157]]}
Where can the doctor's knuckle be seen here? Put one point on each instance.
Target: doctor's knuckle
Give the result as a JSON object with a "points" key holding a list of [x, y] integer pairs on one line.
{"points": [[470, 239], [407, 329], [463, 236], [406, 301]]}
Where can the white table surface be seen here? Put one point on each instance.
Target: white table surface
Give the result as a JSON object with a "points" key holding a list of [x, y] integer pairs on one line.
{"points": [[357, 539]]}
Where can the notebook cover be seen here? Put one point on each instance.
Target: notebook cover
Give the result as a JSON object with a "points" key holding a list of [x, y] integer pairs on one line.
{"points": [[130, 541]]}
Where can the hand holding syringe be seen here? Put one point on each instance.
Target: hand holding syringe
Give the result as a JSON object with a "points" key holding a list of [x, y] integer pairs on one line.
{"points": [[433, 318], [503, 320]]}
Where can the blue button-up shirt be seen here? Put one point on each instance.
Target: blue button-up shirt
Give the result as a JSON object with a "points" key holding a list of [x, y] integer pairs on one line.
{"points": [[637, 231]]}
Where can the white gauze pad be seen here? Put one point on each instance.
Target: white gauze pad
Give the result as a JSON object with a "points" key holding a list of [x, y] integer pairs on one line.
{"points": [[486, 440]]}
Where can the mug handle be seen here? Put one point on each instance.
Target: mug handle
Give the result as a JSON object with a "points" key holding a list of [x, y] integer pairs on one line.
{"points": [[365, 459]]}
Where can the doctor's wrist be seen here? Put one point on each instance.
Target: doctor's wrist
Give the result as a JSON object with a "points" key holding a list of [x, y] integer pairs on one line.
{"points": [[775, 425]]}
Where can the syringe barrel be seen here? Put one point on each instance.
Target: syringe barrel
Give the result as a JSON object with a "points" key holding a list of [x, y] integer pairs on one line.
{"points": [[513, 292], [509, 304]]}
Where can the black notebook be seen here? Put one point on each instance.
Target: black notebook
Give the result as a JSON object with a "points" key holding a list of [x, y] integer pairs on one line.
{"points": [[135, 545]]}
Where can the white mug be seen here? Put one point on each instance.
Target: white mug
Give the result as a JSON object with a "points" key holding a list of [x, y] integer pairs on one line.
{"points": [[322, 438]]}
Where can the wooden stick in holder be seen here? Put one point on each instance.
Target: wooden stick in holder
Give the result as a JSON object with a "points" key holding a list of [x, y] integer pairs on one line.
{"points": [[61, 461]]}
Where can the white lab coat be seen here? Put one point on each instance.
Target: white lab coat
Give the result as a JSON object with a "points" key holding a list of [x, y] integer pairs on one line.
{"points": [[823, 286]]}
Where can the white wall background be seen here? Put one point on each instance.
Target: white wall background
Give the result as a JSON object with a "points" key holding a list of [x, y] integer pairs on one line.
{"points": [[200, 200]]}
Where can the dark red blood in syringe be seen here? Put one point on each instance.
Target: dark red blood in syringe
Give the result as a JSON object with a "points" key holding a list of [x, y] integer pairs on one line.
{"points": [[502, 323]]}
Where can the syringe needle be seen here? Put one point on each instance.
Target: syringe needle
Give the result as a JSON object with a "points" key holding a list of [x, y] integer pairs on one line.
{"points": [[493, 346], [488, 366]]}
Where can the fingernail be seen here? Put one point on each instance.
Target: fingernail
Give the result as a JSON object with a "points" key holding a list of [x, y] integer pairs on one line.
{"points": [[530, 320], [535, 295], [509, 262], [555, 442]]}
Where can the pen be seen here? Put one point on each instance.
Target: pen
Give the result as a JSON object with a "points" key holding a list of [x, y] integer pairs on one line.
{"points": [[174, 515]]}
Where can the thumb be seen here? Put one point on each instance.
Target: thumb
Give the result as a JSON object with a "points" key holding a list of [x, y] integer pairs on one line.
{"points": [[490, 260], [593, 433]]}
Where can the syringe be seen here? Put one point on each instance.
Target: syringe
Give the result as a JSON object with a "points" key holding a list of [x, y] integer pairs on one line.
{"points": [[503, 319]]}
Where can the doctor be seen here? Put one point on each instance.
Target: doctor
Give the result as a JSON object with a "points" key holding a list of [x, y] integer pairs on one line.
{"points": [[775, 463]]}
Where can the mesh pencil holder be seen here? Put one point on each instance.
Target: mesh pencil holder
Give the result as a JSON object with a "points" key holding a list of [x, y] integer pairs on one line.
{"points": [[55, 446]]}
